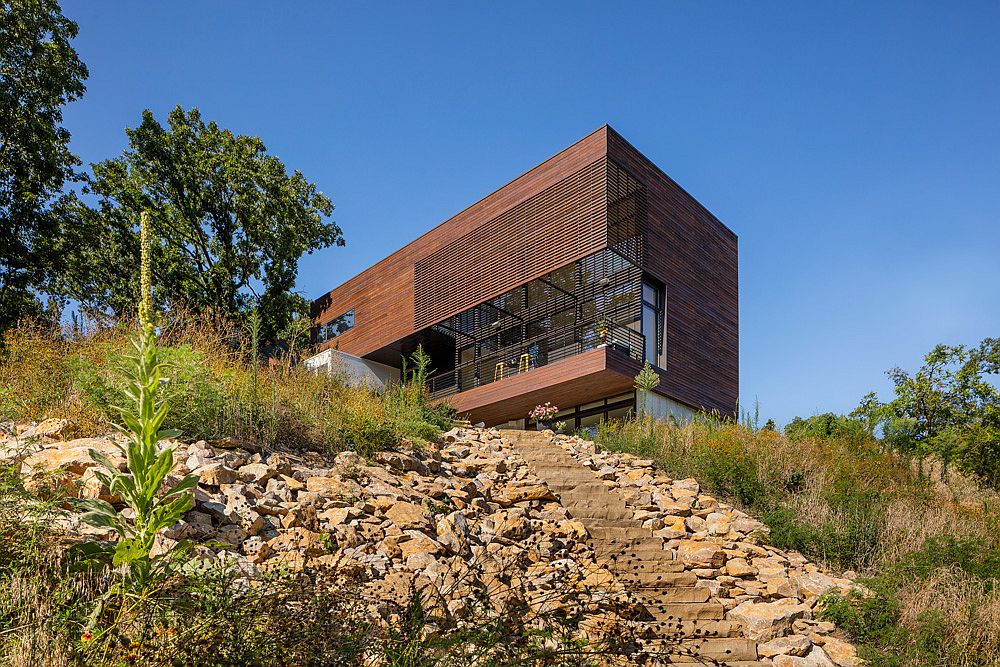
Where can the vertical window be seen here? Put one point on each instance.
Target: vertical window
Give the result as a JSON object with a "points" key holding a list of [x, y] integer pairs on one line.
{"points": [[653, 323]]}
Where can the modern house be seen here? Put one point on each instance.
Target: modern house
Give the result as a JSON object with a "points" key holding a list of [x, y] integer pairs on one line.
{"points": [[556, 287]]}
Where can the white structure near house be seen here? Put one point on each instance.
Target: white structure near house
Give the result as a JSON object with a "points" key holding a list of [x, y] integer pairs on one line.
{"points": [[356, 371]]}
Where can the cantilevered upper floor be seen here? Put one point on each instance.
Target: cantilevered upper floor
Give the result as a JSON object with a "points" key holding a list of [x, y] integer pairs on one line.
{"points": [[557, 287]]}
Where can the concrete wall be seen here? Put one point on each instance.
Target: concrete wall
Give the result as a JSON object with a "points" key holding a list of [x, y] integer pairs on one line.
{"points": [[661, 407], [356, 370]]}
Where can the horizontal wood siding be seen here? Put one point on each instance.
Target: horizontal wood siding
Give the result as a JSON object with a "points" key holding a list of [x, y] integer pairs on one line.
{"points": [[561, 224], [695, 256], [383, 296]]}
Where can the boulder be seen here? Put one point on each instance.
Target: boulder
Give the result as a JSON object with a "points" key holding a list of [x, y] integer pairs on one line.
{"points": [[815, 658], [697, 553], [72, 456], [216, 474], [797, 645], [453, 532], [763, 621], [407, 515], [840, 652]]}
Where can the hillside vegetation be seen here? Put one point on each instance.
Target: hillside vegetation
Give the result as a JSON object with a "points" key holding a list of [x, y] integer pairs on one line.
{"points": [[926, 548]]}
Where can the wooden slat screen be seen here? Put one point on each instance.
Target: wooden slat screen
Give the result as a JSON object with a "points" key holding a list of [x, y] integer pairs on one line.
{"points": [[560, 224]]}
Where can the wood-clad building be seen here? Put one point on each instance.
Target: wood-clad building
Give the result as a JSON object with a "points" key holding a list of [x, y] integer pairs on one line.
{"points": [[557, 287]]}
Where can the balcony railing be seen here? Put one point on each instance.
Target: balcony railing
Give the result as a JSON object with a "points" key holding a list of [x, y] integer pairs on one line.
{"points": [[536, 352]]}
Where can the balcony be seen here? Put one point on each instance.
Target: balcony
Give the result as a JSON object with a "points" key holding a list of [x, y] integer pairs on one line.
{"points": [[533, 354]]}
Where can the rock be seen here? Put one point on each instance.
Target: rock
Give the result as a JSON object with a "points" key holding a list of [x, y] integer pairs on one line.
{"points": [[402, 462], [510, 526], [739, 567], [607, 472], [72, 456], [511, 495], [797, 645], [766, 620], [331, 487], [697, 553], [338, 515], [812, 584], [256, 473], [48, 429], [406, 515], [695, 524], [815, 658], [300, 540], [418, 544], [840, 652], [216, 474], [453, 532], [717, 523]]}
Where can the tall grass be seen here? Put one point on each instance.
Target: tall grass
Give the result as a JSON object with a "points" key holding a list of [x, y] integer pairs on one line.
{"points": [[217, 390], [930, 556]]}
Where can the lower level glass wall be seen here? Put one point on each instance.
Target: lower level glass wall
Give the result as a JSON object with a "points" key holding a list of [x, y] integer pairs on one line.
{"points": [[588, 415]]}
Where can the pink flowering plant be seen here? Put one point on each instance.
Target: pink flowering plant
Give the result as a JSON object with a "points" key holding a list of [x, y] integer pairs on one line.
{"points": [[543, 412]]}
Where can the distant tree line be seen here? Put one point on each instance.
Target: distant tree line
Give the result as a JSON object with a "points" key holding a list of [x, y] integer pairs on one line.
{"points": [[229, 221], [949, 409]]}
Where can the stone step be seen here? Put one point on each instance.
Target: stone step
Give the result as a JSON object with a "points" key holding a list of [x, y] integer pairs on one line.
{"points": [[670, 594], [651, 567], [656, 579], [618, 533], [689, 629], [686, 611], [729, 648]]}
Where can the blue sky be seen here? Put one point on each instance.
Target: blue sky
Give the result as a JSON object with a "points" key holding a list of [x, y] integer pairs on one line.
{"points": [[854, 147]]}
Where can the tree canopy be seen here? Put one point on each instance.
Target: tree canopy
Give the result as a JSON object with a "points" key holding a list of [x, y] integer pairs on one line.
{"points": [[229, 224], [948, 408], [40, 72]]}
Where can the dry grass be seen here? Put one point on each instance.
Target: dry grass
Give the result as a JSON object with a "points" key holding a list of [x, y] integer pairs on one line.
{"points": [[216, 390], [973, 638], [930, 547]]}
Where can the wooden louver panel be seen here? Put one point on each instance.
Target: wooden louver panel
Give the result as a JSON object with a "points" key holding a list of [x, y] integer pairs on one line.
{"points": [[560, 224]]}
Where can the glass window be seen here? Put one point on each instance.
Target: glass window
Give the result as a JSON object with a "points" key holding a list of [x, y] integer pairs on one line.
{"points": [[653, 322], [619, 413], [336, 326]]}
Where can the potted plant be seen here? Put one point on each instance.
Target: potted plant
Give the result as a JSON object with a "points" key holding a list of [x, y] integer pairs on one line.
{"points": [[542, 414]]}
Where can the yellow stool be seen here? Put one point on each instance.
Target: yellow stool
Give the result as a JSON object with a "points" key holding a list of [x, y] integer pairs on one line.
{"points": [[524, 363], [498, 372]]}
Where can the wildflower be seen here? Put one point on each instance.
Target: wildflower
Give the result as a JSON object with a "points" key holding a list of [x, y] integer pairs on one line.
{"points": [[87, 636]]}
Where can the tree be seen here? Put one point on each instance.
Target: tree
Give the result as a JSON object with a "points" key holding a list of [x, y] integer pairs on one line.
{"points": [[948, 408], [230, 224], [39, 74]]}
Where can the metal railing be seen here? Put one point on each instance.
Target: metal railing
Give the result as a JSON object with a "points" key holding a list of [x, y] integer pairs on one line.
{"points": [[536, 352]]}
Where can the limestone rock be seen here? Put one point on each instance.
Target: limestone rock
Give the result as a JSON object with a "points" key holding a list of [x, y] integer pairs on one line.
{"points": [[407, 515], [453, 532], [763, 621], [797, 645]]}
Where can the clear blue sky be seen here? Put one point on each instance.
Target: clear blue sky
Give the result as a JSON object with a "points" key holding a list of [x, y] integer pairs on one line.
{"points": [[854, 147]]}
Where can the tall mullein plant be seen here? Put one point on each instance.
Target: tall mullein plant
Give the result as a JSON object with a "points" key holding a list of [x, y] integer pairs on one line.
{"points": [[154, 504]]}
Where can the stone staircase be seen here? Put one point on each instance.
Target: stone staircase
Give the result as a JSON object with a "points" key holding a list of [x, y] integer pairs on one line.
{"points": [[679, 623]]}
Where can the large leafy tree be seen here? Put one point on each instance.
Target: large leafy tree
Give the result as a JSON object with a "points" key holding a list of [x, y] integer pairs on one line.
{"points": [[230, 224], [948, 408], [39, 74]]}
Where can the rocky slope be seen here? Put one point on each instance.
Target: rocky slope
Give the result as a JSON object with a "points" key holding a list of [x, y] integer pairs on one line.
{"points": [[477, 529]]}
